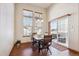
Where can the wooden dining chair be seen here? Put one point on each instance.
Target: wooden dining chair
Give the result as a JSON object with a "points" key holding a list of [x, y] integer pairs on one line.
{"points": [[47, 42], [34, 42]]}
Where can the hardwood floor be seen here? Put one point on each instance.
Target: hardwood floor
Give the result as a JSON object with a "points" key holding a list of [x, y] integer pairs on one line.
{"points": [[25, 49]]}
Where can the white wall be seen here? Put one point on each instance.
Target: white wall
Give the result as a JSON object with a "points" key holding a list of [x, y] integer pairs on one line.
{"points": [[19, 20], [6, 28], [61, 9]]}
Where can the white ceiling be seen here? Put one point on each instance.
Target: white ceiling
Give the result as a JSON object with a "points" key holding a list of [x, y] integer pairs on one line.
{"points": [[43, 5]]}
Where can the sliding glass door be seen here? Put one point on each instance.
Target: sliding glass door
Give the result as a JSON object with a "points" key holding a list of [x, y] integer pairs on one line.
{"points": [[59, 30]]}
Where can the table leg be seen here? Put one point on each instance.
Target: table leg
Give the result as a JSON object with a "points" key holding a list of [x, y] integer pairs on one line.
{"points": [[39, 47]]}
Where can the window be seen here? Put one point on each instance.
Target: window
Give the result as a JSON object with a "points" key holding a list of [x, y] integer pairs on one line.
{"points": [[27, 22], [38, 23], [32, 22]]}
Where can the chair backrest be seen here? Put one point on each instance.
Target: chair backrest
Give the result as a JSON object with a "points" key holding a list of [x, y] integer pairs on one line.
{"points": [[47, 39], [33, 35]]}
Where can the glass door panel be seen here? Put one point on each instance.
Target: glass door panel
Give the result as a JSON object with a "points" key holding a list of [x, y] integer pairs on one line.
{"points": [[62, 29], [53, 29]]}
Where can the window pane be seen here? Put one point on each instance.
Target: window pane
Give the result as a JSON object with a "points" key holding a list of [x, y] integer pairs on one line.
{"points": [[63, 25], [27, 32], [54, 26], [27, 13], [27, 21], [37, 15]]}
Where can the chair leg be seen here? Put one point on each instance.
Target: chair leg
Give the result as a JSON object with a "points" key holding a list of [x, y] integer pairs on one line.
{"points": [[49, 50], [42, 52], [32, 45]]}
